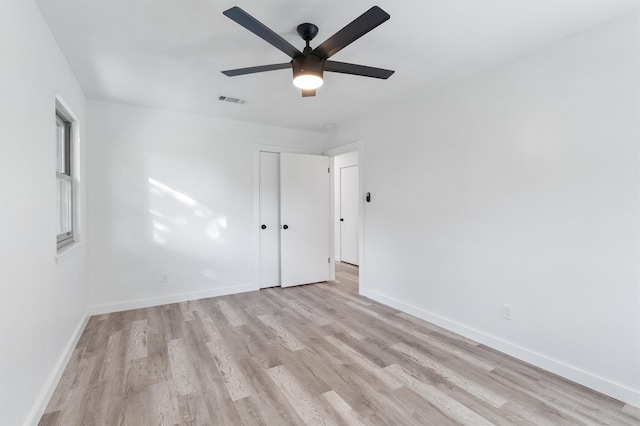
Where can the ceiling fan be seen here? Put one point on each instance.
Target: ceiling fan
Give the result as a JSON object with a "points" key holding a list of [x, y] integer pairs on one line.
{"points": [[309, 65]]}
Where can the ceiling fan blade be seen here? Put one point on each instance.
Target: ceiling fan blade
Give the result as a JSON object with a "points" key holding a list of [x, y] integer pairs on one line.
{"points": [[354, 69], [356, 29], [261, 30], [253, 70], [307, 93]]}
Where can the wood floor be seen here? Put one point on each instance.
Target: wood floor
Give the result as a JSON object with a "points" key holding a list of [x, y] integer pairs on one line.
{"points": [[315, 354]]}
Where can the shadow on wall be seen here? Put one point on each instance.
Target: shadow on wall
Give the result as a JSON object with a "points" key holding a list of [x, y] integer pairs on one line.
{"points": [[183, 224]]}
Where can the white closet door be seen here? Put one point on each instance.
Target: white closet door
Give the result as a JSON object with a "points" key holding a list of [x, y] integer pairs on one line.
{"points": [[269, 219], [349, 206], [304, 209]]}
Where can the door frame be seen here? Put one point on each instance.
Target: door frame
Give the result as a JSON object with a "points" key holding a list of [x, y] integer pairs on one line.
{"points": [[255, 233], [332, 152]]}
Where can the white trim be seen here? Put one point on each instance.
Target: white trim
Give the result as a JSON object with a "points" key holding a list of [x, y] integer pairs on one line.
{"points": [[255, 234], [68, 249], [45, 395], [165, 300], [343, 149], [585, 378], [332, 219]]}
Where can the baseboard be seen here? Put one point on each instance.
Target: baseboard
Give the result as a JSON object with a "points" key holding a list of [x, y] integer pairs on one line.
{"points": [[165, 300], [597, 383], [56, 374]]}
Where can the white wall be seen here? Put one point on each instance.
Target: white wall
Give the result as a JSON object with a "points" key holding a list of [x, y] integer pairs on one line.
{"points": [[43, 299], [519, 186], [172, 193]]}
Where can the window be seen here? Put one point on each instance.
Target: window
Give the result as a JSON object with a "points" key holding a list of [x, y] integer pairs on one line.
{"points": [[64, 177]]}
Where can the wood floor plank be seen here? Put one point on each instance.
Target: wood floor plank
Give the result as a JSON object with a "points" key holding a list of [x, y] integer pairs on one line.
{"points": [[315, 354], [253, 413], [365, 363], [159, 369], [302, 401], [532, 405], [222, 410], [434, 328], [233, 316], [290, 341], [546, 399], [338, 327], [60, 398], [186, 309], [183, 372], [271, 402], [345, 295], [343, 409], [451, 376], [304, 310], [448, 406], [377, 351], [113, 364], [332, 318], [373, 401], [465, 355], [136, 409], [163, 405], [85, 393], [50, 419], [631, 411], [532, 415], [235, 380], [193, 409]]}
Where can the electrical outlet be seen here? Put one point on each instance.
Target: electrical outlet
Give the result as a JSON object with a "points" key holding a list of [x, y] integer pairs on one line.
{"points": [[164, 278], [507, 311]]}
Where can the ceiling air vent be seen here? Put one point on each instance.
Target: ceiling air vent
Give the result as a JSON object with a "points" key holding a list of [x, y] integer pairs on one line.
{"points": [[232, 100]]}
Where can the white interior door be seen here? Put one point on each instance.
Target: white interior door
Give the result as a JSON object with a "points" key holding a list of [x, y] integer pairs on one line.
{"points": [[349, 204], [269, 219], [304, 216]]}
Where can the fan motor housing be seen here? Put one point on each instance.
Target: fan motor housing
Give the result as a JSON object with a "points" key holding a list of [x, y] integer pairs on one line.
{"points": [[307, 64]]}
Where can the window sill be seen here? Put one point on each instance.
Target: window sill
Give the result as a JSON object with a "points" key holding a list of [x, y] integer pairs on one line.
{"points": [[67, 250]]}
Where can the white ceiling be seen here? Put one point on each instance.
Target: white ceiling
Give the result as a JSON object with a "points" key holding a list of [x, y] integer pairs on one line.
{"points": [[169, 53]]}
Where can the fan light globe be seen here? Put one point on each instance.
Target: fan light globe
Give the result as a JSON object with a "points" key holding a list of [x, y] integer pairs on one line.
{"points": [[307, 81]]}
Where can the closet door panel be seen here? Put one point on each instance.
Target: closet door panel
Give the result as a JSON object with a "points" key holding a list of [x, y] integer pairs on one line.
{"points": [[269, 219], [304, 218]]}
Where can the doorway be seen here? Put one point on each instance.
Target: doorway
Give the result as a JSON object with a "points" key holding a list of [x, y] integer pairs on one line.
{"points": [[347, 220], [349, 215], [346, 202]]}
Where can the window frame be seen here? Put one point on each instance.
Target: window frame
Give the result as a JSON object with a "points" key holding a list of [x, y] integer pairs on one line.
{"points": [[64, 117]]}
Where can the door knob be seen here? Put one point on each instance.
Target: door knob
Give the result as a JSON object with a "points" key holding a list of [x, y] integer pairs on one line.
{"points": [[341, 219], [264, 227], [285, 226]]}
